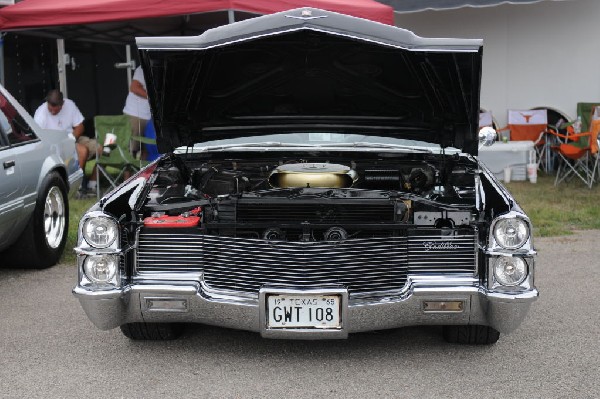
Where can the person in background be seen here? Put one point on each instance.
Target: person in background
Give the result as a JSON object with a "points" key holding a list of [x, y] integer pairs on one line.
{"points": [[138, 109], [60, 113]]}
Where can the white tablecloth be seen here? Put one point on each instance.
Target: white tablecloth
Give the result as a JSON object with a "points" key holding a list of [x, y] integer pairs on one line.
{"points": [[514, 154]]}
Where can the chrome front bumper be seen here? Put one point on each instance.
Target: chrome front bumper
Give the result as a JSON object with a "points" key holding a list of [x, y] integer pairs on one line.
{"points": [[196, 304]]}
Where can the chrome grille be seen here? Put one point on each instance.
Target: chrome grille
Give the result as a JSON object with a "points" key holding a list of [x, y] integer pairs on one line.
{"points": [[363, 265], [169, 252], [441, 251]]}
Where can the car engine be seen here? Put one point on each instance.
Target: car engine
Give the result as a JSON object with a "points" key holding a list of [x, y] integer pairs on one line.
{"points": [[312, 198]]}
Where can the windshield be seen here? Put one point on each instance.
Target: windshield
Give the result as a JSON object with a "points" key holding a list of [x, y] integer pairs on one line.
{"points": [[315, 139]]}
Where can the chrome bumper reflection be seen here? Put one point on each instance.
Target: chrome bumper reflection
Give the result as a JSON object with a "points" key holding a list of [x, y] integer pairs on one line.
{"points": [[191, 303]]}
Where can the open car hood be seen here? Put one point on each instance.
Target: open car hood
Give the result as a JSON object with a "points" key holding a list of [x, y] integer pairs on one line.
{"points": [[309, 70]]}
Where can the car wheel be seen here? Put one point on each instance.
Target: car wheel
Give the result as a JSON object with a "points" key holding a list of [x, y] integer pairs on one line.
{"points": [[42, 242], [471, 335], [152, 331]]}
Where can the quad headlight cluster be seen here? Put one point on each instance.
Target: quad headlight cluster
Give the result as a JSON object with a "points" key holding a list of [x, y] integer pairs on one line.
{"points": [[510, 235], [100, 232]]}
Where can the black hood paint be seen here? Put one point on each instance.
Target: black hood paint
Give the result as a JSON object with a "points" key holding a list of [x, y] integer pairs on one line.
{"points": [[309, 70]]}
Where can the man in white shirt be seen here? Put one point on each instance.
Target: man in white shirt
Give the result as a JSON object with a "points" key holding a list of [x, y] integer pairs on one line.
{"points": [[60, 113], [137, 107]]}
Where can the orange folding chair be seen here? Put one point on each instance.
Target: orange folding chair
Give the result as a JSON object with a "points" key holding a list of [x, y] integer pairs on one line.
{"points": [[530, 125], [578, 153], [527, 124]]}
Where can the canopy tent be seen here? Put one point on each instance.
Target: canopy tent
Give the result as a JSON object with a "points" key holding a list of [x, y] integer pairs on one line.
{"points": [[422, 5], [120, 21]]}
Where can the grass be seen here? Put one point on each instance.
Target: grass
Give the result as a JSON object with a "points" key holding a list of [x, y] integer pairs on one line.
{"points": [[561, 210], [554, 211], [77, 207]]}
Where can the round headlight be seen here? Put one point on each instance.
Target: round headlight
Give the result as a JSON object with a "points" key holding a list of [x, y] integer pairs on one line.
{"points": [[100, 268], [100, 232], [510, 270], [511, 233]]}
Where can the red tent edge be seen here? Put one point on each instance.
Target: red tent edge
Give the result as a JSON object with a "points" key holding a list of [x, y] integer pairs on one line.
{"points": [[32, 14]]}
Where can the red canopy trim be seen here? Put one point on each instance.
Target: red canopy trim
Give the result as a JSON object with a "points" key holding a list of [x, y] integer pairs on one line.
{"points": [[32, 14]]}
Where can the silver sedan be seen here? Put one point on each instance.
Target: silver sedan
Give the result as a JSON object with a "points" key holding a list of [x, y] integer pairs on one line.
{"points": [[38, 170]]}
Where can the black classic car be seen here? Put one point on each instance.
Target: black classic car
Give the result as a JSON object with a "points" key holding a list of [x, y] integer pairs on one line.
{"points": [[320, 178]]}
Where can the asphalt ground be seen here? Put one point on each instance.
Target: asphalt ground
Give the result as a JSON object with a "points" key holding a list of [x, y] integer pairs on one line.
{"points": [[49, 349]]}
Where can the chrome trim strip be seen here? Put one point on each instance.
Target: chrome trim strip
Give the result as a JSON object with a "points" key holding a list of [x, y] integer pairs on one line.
{"points": [[96, 251], [468, 45]]}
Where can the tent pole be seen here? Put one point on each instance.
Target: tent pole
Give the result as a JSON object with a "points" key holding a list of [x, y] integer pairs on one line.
{"points": [[231, 16], [128, 59], [62, 70]]}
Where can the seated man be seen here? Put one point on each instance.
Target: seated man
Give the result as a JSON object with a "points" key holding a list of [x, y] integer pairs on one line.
{"points": [[62, 114]]}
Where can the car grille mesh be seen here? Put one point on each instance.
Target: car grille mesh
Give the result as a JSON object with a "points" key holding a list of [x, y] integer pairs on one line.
{"points": [[363, 265]]}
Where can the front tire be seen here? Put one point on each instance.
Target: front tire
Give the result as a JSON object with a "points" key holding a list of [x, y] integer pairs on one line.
{"points": [[152, 331], [42, 242], [470, 335]]}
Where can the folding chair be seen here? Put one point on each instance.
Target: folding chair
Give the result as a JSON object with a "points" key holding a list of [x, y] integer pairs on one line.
{"points": [[586, 112], [531, 125], [115, 165], [578, 153], [527, 124]]}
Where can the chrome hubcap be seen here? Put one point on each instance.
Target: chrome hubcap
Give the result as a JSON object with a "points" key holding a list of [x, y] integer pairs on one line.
{"points": [[54, 217]]}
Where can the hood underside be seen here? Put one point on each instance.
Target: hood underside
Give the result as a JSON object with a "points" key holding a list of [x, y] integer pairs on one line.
{"points": [[310, 70]]}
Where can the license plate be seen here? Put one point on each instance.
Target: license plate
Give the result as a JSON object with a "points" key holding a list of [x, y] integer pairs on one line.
{"points": [[304, 311]]}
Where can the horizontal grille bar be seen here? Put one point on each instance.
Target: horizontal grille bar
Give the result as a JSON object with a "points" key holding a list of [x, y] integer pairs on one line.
{"points": [[363, 265]]}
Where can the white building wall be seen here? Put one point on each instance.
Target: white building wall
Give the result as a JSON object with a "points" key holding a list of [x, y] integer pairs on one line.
{"points": [[541, 54]]}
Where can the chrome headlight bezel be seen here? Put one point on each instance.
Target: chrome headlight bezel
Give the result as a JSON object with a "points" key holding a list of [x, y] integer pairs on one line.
{"points": [[520, 267], [511, 231], [90, 268], [107, 226]]}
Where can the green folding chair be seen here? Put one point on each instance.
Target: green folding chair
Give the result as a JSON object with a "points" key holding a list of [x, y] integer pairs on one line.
{"points": [[113, 166]]}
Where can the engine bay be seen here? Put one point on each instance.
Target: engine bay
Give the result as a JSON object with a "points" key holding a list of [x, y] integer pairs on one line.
{"points": [[313, 197]]}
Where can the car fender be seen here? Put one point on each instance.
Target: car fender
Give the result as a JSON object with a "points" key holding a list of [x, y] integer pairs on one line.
{"points": [[52, 163]]}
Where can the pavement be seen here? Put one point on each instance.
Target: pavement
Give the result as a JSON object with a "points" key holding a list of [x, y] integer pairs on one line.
{"points": [[49, 349]]}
